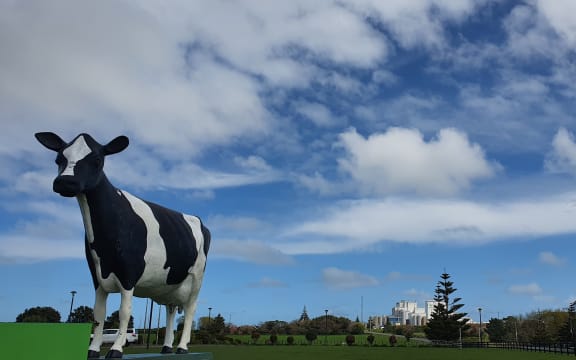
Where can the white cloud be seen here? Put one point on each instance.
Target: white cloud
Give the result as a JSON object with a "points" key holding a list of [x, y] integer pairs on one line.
{"points": [[263, 38], [417, 23], [253, 163], [267, 282], [358, 225], [110, 67], [562, 157], [150, 172], [343, 279], [249, 251], [400, 160], [318, 114], [549, 258], [398, 276], [532, 289], [23, 249], [559, 16], [55, 231], [77, 64], [236, 223], [317, 183], [417, 294], [541, 29]]}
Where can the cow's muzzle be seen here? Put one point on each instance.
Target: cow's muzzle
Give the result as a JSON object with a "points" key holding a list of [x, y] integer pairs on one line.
{"points": [[67, 186]]}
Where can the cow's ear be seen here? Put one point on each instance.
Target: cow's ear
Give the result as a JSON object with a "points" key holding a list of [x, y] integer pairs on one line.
{"points": [[50, 140], [116, 145]]}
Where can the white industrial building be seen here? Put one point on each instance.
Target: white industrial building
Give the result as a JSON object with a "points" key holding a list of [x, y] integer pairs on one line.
{"points": [[405, 313]]}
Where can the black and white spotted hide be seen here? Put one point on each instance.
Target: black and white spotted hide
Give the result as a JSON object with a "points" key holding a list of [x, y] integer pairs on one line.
{"points": [[133, 247]]}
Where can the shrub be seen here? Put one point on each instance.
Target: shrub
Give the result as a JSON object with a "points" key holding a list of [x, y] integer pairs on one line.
{"points": [[255, 336], [311, 336], [290, 340], [392, 339], [370, 339], [350, 340], [273, 339]]}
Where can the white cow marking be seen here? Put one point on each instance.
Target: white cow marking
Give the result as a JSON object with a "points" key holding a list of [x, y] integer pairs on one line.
{"points": [[74, 153]]}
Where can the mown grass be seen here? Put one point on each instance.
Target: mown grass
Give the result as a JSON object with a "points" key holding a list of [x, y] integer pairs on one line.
{"points": [[379, 340], [282, 352]]}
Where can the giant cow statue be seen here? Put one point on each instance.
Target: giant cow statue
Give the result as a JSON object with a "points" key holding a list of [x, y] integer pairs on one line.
{"points": [[133, 247]]}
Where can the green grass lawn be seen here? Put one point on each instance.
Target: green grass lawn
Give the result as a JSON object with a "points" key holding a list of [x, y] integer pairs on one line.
{"points": [[279, 352], [324, 339]]}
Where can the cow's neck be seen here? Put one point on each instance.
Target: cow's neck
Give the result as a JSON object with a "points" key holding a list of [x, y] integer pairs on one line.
{"points": [[94, 202]]}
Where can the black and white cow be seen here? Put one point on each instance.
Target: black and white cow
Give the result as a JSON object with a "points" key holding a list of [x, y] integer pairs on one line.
{"points": [[133, 247]]}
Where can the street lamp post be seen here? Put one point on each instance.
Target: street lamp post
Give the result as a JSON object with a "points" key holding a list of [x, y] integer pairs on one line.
{"points": [[325, 326], [480, 328], [73, 292], [209, 315]]}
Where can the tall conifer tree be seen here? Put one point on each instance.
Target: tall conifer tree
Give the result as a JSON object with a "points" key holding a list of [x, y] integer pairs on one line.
{"points": [[446, 322]]}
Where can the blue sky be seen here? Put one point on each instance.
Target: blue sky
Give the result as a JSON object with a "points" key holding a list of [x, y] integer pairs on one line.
{"points": [[337, 150]]}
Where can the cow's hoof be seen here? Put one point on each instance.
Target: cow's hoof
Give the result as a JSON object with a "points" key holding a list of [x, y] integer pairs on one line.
{"points": [[93, 354], [166, 350], [181, 351], [114, 354]]}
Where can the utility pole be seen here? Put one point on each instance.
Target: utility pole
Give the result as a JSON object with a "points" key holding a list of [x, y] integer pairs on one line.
{"points": [[480, 328], [326, 327], [73, 292], [362, 309]]}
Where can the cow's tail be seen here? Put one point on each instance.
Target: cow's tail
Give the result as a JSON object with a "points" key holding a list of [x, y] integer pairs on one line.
{"points": [[207, 237]]}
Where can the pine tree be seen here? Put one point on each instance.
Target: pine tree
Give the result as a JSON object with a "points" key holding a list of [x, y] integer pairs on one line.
{"points": [[446, 322], [567, 333]]}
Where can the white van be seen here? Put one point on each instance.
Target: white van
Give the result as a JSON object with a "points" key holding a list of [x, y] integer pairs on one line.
{"points": [[110, 335]]}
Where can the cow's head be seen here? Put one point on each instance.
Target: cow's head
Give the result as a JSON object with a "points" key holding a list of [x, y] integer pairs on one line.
{"points": [[80, 162]]}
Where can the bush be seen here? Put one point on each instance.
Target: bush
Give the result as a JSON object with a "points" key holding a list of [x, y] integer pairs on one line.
{"points": [[311, 336], [273, 339], [370, 339], [392, 339], [290, 340], [255, 336], [350, 340]]}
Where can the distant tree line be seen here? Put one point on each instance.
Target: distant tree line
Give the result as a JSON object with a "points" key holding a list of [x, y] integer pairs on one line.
{"points": [[82, 314], [447, 323], [547, 326], [325, 325], [215, 329]]}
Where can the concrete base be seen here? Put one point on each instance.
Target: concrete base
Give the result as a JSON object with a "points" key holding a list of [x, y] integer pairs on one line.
{"points": [[190, 356]]}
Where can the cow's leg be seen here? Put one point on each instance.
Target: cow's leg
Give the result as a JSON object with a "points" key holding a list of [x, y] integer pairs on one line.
{"points": [[169, 338], [189, 310], [99, 315], [124, 314]]}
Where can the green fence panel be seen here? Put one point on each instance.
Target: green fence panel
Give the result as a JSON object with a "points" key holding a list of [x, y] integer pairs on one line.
{"points": [[27, 341]]}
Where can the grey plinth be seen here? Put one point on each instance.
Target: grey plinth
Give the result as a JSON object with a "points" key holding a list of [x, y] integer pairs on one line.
{"points": [[190, 356]]}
